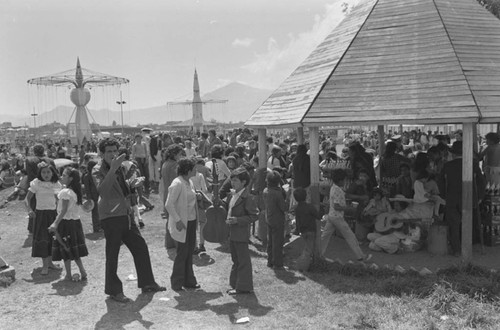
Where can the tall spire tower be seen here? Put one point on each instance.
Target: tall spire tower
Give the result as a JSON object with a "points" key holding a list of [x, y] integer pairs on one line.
{"points": [[196, 123], [197, 106]]}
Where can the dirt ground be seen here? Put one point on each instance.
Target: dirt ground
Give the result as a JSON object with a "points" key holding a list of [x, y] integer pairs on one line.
{"points": [[34, 301]]}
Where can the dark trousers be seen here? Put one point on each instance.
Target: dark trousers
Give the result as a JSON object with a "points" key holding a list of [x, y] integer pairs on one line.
{"points": [[116, 231], [182, 272], [275, 241], [143, 168], [96, 223], [241, 271], [453, 214]]}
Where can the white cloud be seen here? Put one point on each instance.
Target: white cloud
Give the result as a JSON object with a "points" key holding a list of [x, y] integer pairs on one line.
{"points": [[271, 68], [245, 42]]}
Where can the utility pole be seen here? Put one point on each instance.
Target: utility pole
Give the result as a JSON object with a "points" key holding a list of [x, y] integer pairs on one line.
{"points": [[34, 114], [121, 103]]}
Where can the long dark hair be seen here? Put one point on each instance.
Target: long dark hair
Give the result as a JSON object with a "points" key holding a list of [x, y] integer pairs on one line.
{"points": [[42, 165], [75, 183]]}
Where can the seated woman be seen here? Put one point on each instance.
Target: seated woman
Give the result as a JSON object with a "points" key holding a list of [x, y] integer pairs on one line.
{"points": [[424, 205], [407, 238]]}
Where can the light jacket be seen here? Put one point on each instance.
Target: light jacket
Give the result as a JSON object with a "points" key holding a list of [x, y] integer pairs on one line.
{"points": [[177, 208]]}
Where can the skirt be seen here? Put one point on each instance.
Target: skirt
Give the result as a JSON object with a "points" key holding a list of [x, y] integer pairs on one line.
{"points": [[71, 233], [42, 240]]}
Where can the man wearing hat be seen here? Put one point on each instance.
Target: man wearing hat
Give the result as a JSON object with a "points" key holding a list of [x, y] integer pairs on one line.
{"points": [[451, 181], [397, 139]]}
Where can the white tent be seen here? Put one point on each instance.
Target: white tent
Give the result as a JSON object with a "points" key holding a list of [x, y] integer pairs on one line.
{"points": [[60, 132]]}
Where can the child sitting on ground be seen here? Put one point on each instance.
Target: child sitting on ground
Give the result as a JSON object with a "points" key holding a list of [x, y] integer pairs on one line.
{"points": [[305, 217]]}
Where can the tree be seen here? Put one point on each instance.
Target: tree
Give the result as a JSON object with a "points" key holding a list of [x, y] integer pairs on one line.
{"points": [[492, 6]]}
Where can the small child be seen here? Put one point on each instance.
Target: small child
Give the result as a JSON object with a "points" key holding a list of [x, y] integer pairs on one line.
{"points": [[70, 244], [335, 218], [305, 217], [20, 189], [44, 188], [274, 199], [378, 204], [426, 190]]}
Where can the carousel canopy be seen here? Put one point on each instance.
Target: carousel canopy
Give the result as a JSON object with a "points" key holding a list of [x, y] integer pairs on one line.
{"points": [[393, 61], [68, 78]]}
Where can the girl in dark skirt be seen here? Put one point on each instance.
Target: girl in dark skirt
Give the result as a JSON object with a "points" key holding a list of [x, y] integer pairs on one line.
{"points": [[45, 187], [70, 241]]}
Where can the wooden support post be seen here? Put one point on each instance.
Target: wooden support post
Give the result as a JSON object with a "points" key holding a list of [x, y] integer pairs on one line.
{"points": [[381, 139], [314, 187], [300, 135], [467, 191], [262, 148], [475, 145]]}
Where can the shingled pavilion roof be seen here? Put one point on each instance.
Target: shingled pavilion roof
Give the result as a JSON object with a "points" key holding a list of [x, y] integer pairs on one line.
{"points": [[393, 61]]}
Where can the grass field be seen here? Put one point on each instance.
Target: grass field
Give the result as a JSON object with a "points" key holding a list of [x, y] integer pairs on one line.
{"points": [[331, 296]]}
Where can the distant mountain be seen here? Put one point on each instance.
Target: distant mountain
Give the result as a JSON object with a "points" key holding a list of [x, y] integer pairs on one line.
{"points": [[243, 100]]}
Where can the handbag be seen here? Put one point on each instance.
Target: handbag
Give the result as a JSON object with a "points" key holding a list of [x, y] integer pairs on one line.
{"points": [[204, 202]]}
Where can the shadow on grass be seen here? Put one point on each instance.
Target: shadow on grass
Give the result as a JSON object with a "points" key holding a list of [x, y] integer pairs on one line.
{"points": [[195, 300], [94, 236], [68, 288], [38, 278], [473, 281], [202, 260], [287, 276], [119, 315], [28, 242], [245, 305]]}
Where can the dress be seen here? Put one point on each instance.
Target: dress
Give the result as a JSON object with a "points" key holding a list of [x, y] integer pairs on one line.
{"points": [[45, 214], [70, 229]]}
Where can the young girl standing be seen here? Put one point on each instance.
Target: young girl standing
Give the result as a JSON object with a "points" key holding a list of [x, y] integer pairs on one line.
{"points": [[45, 187], [68, 225]]}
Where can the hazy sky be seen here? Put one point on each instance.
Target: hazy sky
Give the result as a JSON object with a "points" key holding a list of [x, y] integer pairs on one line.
{"points": [[157, 44]]}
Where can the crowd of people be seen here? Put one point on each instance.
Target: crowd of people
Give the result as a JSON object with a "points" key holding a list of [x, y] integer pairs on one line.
{"points": [[417, 177]]}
